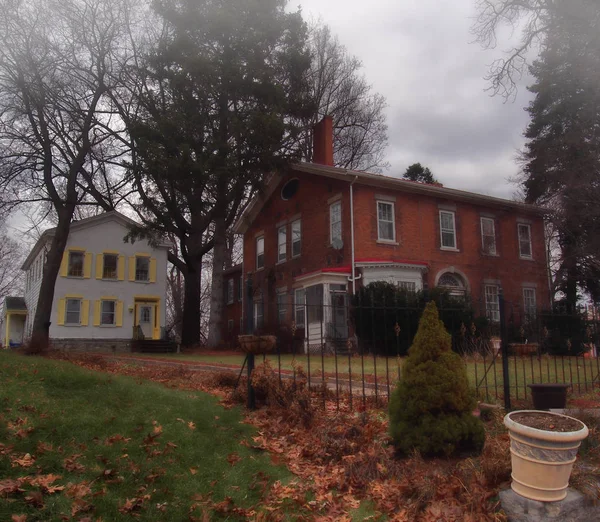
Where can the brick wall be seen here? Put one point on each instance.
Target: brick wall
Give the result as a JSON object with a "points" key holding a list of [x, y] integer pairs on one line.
{"points": [[417, 239]]}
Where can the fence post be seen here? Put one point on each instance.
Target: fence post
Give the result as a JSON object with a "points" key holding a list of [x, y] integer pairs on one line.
{"points": [[504, 348], [249, 327]]}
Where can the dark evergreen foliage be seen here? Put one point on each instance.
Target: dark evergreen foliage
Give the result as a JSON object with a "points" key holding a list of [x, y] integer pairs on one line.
{"points": [[562, 154], [431, 409], [416, 172]]}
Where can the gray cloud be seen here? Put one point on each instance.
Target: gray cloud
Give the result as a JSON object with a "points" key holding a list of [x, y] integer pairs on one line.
{"points": [[417, 53]]}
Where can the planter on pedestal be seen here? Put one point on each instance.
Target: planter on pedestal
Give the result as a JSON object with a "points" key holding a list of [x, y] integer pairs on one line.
{"points": [[543, 448], [257, 344]]}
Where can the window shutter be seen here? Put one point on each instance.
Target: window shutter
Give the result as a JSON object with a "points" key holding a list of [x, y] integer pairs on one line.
{"points": [[96, 313], [85, 312], [64, 265], [153, 270], [60, 320], [132, 268], [87, 265], [119, 314], [99, 266], [121, 268]]}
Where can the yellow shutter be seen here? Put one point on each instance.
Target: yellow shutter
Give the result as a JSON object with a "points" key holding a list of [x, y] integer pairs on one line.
{"points": [[121, 268], [153, 270], [96, 313], [85, 312], [99, 265], [60, 313], [132, 268], [64, 265], [87, 265], [119, 313]]}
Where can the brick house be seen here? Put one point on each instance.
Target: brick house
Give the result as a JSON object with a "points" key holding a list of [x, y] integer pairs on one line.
{"points": [[318, 232]]}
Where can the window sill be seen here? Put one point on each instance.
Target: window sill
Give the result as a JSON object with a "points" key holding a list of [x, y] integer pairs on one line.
{"points": [[229, 303], [70, 325], [281, 262], [526, 258], [387, 242], [296, 256], [259, 269], [143, 282], [114, 279], [487, 254], [107, 326], [71, 277], [449, 249]]}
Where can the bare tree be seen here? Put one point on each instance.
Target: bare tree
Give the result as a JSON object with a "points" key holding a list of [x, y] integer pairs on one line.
{"points": [[58, 60], [342, 92], [532, 20], [11, 257]]}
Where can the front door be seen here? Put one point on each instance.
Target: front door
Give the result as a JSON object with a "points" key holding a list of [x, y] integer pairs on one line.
{"points": [[146, 314], [339, 319]]}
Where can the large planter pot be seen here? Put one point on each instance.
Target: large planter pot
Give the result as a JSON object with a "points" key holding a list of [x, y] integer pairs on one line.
{"points": [[257, 344], [548, 396], [542, 459]]}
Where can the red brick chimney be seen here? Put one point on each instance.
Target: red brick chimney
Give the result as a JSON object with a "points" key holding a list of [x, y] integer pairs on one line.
{"points": [[323, 142]]}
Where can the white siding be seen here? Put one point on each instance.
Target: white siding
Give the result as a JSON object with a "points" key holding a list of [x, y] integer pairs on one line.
{"points": [[98, 237]]}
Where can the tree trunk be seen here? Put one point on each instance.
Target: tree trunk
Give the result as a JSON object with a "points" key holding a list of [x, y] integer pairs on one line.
{"points": [[190, 318], [40, 335], [216, 293]]}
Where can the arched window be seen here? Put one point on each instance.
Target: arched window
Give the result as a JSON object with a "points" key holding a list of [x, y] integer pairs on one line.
{"points": [[454, 283]]}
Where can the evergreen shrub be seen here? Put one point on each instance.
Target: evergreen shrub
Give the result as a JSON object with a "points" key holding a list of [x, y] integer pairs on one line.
{"points": [[431, 409]]}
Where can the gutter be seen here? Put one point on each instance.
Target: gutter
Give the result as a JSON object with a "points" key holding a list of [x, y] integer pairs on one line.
{"points": [[352, 277]]}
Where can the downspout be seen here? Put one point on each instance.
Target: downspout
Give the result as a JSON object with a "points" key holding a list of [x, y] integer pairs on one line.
{"points": [[353, 276]]}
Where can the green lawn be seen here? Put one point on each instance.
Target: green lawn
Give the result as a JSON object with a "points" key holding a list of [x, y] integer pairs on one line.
{"points": [[487, 377], [162, 450]]}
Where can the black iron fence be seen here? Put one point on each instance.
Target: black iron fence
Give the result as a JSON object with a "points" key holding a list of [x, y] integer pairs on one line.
{"points": [[353, 350]]}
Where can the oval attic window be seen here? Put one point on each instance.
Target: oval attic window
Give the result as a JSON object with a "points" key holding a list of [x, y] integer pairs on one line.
{"points": [[289, 189]]}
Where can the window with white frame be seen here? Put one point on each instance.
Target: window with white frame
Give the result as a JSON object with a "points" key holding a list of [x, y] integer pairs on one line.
{"points": [[335, 222], [281, 306], [296, 237], [529, 302], [142, 268], [409, 286], [299, 307], [107, 316], [258, 314], [386, 230], [260, 252], [109, 268], [75, 267], [281, 244], [488, 236], [524, 232], [492, 303], [73, 311], [448, 229], [230, 283]]}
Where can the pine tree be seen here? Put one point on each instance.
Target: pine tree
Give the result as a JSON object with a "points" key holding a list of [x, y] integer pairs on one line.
{"points": [[416, 172], [562, 154], [431, 409]]}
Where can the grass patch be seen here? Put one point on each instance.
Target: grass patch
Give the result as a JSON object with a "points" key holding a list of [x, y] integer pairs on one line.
{"points": [[120, 447]]}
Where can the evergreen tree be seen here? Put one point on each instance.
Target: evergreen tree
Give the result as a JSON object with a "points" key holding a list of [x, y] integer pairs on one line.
{"points": [[431, 409], [416, 172], [562, 154], [221, 93]]}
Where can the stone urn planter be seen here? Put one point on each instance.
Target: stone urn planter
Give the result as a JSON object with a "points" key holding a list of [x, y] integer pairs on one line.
{"points": [[257, 344], [543, 447]]}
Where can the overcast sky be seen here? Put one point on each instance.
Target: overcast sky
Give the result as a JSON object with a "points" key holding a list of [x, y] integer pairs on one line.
{"points": [[419, 55]]}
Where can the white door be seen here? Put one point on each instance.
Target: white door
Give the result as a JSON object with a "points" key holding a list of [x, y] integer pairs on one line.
{"points": [[145, 319]]}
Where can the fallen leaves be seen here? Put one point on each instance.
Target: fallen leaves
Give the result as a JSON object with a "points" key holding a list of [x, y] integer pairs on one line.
{"points": [[26, 461]]}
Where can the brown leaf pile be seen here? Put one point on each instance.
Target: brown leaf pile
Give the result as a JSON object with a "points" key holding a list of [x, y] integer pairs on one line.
{"points": [[341, 457]]}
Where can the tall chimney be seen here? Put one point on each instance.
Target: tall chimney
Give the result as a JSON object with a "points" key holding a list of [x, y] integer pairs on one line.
{"points": [[323, 142]]}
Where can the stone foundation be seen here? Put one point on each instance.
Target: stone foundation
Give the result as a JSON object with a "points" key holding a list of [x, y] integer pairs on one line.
{"points": [[574, 508], [92, 345]]}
